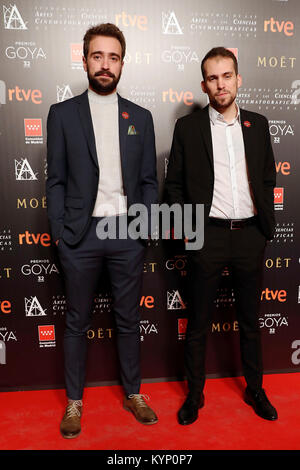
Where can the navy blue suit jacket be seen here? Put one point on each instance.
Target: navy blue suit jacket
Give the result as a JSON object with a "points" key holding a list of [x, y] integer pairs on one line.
{"points": [[73, 171]]}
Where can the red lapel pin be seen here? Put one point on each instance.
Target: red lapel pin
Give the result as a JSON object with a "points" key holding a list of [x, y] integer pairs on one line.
{"points": [[125, 115], [247, 123]]}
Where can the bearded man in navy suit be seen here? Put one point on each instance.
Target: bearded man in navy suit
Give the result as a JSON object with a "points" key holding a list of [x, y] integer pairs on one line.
{"points": [[222, 157], [101, 161]]}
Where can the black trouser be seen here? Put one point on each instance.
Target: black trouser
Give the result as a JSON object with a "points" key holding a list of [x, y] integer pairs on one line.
{"points": [[82, 266], [241, 250]]}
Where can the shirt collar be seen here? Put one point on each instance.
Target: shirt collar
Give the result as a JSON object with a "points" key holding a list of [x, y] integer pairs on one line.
{"points": [[215, 116]]}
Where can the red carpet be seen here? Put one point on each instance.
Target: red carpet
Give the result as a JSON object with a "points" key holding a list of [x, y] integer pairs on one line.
{"points": [[30, 420]]}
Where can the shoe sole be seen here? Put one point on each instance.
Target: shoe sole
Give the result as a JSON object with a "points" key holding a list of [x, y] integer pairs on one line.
{"points": [[70, 437], [138, 420]]}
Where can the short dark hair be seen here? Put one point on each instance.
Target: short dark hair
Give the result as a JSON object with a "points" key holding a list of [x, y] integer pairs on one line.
{"points": [[104, 29], [219, 52]]}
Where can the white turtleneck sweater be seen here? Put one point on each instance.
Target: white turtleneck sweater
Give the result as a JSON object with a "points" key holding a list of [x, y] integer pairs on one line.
{"points": [[110, 198]]}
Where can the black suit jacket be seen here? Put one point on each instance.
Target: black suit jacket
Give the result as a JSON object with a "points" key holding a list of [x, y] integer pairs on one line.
{"points": [[73, 171], [190, 176]]}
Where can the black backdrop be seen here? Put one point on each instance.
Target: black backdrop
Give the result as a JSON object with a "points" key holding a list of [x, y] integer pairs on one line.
{"points": [[40, 56]]}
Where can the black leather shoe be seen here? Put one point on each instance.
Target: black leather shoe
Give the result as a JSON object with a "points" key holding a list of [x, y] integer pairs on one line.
{"points": [[260, 404], [188, 413]]}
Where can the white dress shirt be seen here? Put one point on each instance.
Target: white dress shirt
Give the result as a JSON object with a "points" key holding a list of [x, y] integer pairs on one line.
{"points": [[231, 196]]}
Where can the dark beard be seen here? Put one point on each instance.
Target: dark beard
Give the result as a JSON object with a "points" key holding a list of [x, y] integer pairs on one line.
{"points": [[221, 107], [103, 89]]}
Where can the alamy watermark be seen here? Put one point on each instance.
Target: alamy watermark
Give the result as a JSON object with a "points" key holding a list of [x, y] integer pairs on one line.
{"points": [[179, 220], [2, 352]]}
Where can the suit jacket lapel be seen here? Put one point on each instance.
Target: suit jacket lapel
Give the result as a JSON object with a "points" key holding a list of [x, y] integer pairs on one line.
{"points": [[124, 118], [206, 134], [87, 124], [248, 130]]}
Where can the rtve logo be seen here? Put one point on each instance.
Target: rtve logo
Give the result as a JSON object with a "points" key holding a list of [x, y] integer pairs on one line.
{"points": [[5, 306], [125, 19], [269, 294], [43, 239], [147, 301], [283, 167], [286, 27], [178, 97], [19, 94]]}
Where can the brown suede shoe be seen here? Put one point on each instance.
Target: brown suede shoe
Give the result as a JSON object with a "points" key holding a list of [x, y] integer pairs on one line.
{"points": [[142, 412], [70, 425]]}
